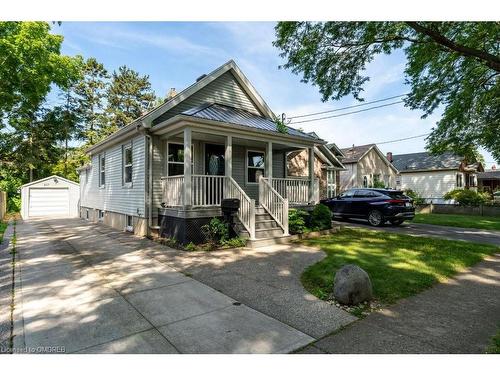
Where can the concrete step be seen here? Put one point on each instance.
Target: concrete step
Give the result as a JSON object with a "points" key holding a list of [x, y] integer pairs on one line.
{"points": [[263, 242], [266, 224], [268, 233]]}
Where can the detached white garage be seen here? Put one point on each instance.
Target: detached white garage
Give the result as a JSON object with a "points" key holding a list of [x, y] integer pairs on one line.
{"points": [[52, 196]]}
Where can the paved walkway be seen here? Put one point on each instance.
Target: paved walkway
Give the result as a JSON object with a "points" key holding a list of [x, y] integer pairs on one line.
{"points": [[459, 316], [100, 292], [439, 231], [5, 290]]}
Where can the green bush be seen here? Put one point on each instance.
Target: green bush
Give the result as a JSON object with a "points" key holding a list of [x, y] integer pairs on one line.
{"points": [[190, 247], [217, 230], [416, 198], [297, 221], [321, 217], [466, 197], [378, 184]]}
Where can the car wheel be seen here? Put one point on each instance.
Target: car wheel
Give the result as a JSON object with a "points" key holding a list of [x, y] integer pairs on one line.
{"points": [[375, 218], [397, 222]]}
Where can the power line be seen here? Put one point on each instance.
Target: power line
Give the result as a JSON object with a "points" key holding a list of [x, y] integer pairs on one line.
{"points": [[347, 113], [349, 107], [402, 139]]}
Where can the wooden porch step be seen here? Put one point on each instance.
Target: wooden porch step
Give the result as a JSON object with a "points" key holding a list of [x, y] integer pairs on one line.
{"points": [[268, 232], [261, 224]]}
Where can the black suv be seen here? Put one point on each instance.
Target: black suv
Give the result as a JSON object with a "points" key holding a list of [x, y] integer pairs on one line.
{"points": [[375, 205]]}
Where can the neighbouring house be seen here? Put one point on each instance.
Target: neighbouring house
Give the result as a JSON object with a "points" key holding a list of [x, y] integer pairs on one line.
{"points": [[365, 166], [168, 171], [432, 176], [489, 180], [326, 168]]}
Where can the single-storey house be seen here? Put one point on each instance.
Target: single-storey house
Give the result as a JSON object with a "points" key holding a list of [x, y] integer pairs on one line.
{"points": [[168, 170], [365, 166], [489, 180], [432, 176]]}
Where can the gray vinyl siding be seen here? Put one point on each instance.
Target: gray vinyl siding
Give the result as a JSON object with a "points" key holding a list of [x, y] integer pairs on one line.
{"points": [[224, 90], [279, 164], [114, 196], [158, 172]]}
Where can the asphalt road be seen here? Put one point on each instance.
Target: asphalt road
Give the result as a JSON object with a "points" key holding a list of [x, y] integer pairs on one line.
{"points": [[427, 230]]}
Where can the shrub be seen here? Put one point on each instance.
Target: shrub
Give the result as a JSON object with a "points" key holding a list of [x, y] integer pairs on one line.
{"points": [[416, 198], [321, 217], [297, 221], [217, 230], [190, 247], [378, 184], [465, 197]]}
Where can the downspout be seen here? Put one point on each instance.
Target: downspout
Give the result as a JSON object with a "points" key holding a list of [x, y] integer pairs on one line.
{"points": [[148, 190]]}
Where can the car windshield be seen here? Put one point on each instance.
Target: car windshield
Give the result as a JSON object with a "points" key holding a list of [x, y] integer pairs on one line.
{"points": [[347, 194]]}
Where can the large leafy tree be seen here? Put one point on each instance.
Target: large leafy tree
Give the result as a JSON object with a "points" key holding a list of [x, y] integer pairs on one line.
{"points": [[129, 95], [451, 65]]}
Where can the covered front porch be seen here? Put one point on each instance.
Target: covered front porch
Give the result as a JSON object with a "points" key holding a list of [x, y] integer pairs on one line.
{"points": [[203, 164]]}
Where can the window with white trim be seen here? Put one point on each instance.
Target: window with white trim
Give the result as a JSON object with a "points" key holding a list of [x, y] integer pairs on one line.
{"points": [[460, 182], [255, 165], [365, 181], [175, 159], [330, 184], [102, 170], [127, 164], [100, 215]]}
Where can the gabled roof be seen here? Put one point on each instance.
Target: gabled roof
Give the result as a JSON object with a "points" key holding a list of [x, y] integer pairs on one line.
{"points": [[50, 177], [355, 153], [199, 84], [335, 149], [426, 161], [230, 115]]}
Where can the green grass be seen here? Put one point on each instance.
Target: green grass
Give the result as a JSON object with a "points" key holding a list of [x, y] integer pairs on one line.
{"points": [[3, 226], [464, 221], [494, 348], [399, 265]]}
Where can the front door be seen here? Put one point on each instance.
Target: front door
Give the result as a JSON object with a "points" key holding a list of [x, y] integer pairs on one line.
{"points": [[214, 166], [214, 160]]}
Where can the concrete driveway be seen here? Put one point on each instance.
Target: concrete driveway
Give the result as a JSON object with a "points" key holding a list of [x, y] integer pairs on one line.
{"points": [[91, 289], [439, 231]]}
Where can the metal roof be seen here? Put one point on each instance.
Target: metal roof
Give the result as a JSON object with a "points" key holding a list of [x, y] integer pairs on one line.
{"points": [[222, 113], [425, 160]]}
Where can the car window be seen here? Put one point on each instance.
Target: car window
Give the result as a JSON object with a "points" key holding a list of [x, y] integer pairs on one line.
{"points": [[347, 194], [360, 194], [396, 194]]}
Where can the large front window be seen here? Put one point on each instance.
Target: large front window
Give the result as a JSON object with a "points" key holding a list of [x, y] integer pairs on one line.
{"points": [[255, 165], [330, 184], [175, 159]]}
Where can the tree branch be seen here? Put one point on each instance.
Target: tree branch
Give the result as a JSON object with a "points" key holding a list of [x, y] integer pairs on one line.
{"points": [[491, 61]]}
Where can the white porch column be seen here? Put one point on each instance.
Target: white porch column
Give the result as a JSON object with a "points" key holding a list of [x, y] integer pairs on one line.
{"points": [[310, 163], [187, 167], [269, 161], [228, 157]]}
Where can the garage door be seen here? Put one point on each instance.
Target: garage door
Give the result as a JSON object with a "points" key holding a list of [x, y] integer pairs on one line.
{"points": [[48, 202]]}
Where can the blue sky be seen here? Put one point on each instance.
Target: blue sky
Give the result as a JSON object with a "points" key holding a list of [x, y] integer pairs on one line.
{"points": [[174, 54]]}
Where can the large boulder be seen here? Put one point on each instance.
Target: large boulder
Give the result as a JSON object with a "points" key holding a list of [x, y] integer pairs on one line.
{"points": [[352, 285]]}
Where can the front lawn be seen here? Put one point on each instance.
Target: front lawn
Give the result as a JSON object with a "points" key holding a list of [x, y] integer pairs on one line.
{"points": [[3, 226], [399, 265], [494, 348], [464, 221]]}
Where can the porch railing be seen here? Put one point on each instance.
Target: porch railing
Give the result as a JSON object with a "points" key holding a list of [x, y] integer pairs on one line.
{"points": [[208, 191], [274, 204], [246, 213], [173, 188], [296, 190]]}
